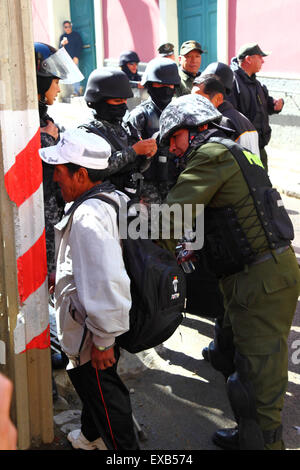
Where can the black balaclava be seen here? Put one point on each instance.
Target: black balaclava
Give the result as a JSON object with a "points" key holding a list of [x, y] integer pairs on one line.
{"points": [[161, 96], [131, 76], [110, 112]]}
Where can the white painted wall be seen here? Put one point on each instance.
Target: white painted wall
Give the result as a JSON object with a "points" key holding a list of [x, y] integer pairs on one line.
{"points": [[168, 31], [222, 31]]}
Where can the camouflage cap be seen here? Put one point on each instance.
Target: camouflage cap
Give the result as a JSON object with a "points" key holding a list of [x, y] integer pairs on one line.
{"points": [[189, 46], [251, 48], [166, 49], [187, 111]]}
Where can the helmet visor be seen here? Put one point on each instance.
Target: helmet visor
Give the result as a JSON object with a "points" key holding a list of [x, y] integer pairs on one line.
{"points": [[61, 65]]}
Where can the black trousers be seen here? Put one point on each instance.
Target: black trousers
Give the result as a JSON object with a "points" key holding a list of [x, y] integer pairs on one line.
{"points": [[94, 420]]}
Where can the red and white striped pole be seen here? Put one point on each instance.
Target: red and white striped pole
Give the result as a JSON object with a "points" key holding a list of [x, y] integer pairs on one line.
{"points": [[23, 183], [23, 230]]}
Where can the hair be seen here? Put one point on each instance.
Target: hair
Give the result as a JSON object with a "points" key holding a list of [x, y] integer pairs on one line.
{"points": [[94, 175], [67, 22], [212, 85]]}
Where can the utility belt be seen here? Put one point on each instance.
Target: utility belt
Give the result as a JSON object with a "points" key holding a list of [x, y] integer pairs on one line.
{"points": [[266, 256]]}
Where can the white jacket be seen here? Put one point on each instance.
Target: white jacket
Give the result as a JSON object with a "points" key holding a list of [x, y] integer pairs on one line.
{"points": [[92, 287]]}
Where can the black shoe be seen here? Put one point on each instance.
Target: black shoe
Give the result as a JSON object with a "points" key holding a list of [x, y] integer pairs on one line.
{"points": [[59, 361], [227, 439], [205, 354]]}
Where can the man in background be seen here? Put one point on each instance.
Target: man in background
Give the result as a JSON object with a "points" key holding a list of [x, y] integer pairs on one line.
{"points": [[189, 61], [252, 98], [72, 42]]}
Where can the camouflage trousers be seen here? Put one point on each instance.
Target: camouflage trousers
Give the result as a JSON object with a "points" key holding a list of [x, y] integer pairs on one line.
{"points": [[53, 215]]}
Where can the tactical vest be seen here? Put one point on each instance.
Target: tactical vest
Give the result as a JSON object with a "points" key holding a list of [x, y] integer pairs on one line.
{"points": [[152, 114], [226, 247], [128, 179], [158, 170]]}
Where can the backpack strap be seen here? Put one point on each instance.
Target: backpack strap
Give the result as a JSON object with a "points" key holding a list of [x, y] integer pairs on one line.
{"points": [[109, 201]]}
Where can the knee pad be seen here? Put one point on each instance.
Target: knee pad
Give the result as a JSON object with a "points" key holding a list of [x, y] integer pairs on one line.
{"points": [[243, 403], [221, 350]]}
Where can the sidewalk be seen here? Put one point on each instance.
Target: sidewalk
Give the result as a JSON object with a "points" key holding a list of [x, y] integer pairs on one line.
{"points": [[284, 171]]}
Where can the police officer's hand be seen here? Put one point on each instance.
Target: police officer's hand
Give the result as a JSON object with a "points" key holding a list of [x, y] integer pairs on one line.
{"points": [[50, 129], [146, 147], [102, 359]]}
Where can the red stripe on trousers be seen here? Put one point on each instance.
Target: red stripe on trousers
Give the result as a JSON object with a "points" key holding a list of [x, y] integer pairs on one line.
{"points": [[32, 268], [25, 176], [41, 341]]}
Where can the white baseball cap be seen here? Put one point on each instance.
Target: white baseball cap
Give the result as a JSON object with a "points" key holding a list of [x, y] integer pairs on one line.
{"points": [[78, 146]]}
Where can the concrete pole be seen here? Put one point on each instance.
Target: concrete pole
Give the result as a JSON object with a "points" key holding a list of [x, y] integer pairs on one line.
{"points": [[24, 318]]}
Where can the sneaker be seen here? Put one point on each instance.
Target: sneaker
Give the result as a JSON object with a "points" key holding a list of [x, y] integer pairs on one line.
{"points": [[78, 441]]}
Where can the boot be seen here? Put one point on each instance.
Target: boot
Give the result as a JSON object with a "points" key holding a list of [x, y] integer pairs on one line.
{"points": [[227, 439]]}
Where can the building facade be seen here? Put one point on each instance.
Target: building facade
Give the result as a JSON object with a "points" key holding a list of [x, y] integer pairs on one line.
{"points": [[109, 27]]}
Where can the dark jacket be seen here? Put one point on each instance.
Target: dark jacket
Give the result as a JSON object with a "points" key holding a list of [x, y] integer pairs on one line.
{"points": [[74, 46], [49, 187], [245, 133], [252, 99]]}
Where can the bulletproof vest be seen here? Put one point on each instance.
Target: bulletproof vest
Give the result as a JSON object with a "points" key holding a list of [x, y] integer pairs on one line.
{"points": [[226, 247], [152, 115], [158, 170]]}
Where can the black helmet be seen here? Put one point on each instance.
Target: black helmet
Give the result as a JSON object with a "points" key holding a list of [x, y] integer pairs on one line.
{"points": [[188, 111], [105, 83], [128, 56], [222, 71], [161, 70]]}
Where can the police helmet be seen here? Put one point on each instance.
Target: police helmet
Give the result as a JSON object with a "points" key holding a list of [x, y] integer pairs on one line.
{"points": [[222, 71], [188, 111], [128, 56], [106, 83], [52, 63], [42, 53], [161, 70]]}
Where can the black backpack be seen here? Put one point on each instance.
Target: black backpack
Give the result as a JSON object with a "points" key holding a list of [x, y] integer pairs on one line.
{"points": [[158, 291]]}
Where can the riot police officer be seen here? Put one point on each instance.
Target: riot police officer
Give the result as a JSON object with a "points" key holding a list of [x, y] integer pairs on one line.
{"points": [[106, 93], [247, 244], [160, 77], [52, 65], [128, 62]]}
